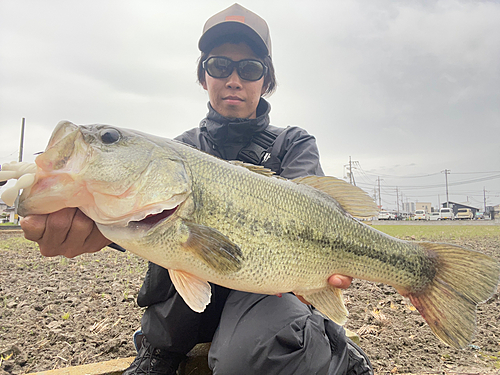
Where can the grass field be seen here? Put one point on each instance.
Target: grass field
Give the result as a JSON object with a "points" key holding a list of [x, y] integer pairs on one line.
{"points": [[440, 232]]}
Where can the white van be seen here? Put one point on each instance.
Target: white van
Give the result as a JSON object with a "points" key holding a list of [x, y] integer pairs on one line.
{"points": [[446, 214], [420, 215], [434, 216], [384, 215]]}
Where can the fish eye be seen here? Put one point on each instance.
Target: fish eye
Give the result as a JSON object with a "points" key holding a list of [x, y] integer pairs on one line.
{"points": [[109, 136]]}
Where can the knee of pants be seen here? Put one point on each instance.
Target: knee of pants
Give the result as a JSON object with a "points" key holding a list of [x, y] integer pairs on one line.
{"points": [[269, 335]]}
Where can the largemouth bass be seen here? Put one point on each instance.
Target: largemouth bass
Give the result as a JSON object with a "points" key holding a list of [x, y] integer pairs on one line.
{"points": [[208, 220]]}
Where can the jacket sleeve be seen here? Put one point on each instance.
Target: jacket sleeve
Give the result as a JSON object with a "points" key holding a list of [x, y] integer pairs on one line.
{"points": [[299, 154], [190, 137]]}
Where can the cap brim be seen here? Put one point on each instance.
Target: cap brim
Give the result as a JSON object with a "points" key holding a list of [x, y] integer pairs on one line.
{"points": [[209, 39]]}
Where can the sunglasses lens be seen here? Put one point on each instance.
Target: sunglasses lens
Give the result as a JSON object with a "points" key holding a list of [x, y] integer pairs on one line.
{"points": [[219, 67], [222, 67], [251, 70]]}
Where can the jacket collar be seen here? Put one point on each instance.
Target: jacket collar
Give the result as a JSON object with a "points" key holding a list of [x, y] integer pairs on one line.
{"points": [[224, 130]]}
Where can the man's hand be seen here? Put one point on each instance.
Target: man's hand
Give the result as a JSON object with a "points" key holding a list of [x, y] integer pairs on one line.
{"points": [[66, 232], [338, 281]]}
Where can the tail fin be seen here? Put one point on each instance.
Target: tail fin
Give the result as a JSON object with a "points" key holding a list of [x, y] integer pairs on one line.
{"points": [[463, 279]]}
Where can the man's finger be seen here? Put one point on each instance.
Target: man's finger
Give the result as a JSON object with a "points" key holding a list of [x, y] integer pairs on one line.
{"points": [[340, 281], [58, 226], [96, 241], [33, 226]]}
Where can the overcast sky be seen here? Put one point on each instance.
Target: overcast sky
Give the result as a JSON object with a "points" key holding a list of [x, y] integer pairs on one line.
{"points": [[407, 89]]}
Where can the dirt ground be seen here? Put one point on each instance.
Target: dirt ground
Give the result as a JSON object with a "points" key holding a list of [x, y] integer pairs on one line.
{"points": [[58, 312]]}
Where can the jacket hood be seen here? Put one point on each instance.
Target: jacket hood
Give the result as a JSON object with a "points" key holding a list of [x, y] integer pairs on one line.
{"points": [[223, 130]]}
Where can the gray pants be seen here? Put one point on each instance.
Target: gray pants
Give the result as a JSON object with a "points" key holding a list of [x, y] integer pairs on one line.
{"points": [[260, 334], [250, 333]]}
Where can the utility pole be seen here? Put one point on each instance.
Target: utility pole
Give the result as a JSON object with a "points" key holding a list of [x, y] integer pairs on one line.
{"points": [[349, 168], [484, 197], [21, 146], [397, 201], [20, 159], [351, 176], [379, 196], [446, 171]]}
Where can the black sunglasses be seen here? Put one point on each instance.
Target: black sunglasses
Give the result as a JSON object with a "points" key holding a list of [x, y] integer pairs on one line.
{"points": [[222, 67]]}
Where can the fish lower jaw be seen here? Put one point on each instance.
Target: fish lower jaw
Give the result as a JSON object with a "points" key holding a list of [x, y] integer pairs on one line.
{"points": [[144, 218], [127, 229], [108, 211], [150, 220]]}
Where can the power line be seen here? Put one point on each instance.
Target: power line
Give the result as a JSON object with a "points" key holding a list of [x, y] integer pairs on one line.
{"points": [[456, 183], [476, 172], [420, 176], [9, 157]]}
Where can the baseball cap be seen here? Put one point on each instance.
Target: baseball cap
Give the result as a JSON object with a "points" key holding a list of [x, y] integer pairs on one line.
{"points": [[236, 20]]}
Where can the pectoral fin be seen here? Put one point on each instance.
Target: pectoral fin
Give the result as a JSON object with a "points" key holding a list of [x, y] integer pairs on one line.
{"points": [[215, 249], [330, 302], [195, 292]]}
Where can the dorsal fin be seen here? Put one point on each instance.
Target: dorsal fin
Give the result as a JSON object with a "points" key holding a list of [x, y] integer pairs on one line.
{"points": [[254, 168], [352, 199]]}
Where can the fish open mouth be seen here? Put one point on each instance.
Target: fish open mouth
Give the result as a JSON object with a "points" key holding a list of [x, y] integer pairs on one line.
{"points": [[153, 219]]}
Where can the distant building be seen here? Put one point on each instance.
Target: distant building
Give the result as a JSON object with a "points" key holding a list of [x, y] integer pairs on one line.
{"points": [[456, 206], [427, 206], [3, 207], [493, 212], [409, 207], [7, 213], [10, 212]]}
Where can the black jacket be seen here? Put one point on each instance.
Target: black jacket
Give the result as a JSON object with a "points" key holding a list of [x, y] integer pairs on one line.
{"points": [[293, 154]]}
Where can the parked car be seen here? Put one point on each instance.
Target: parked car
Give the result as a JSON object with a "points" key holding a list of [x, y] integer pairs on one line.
{"points": [[464, 213], [384, 215], [404, 216], [446, 214], [433, 216], [398, 216], [420, 215]]}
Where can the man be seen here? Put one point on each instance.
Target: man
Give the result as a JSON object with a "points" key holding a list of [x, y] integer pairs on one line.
{"points": [[250, 333]]}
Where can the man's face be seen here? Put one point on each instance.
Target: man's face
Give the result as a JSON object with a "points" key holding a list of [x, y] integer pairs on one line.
{"points": [[233, 97]]}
